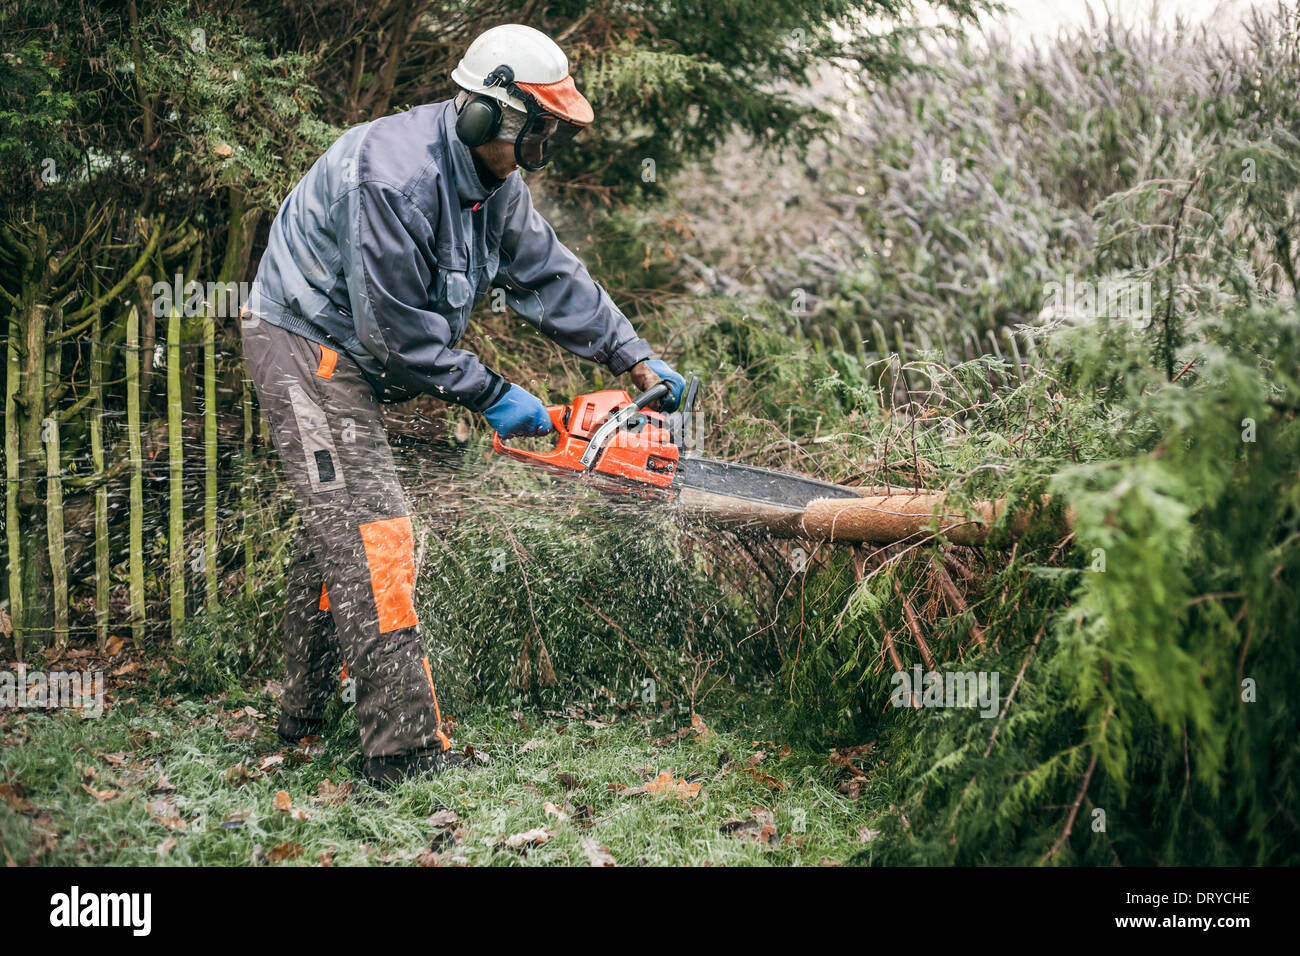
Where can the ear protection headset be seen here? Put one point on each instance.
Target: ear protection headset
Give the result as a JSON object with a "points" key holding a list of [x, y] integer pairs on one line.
{"points": [[480, 119]]}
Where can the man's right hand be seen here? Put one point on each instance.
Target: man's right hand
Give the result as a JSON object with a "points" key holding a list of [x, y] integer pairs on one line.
{"points": [[518, 414]]}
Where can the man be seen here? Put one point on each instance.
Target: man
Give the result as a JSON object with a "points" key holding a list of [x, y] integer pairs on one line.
{"points": [[372, 267]]}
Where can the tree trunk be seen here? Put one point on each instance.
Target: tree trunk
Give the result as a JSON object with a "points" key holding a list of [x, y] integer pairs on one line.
{"points": [[881, 519], [239, 238]]}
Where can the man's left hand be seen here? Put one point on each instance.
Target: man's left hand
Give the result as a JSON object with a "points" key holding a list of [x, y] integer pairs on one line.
{"points": [[646, 375]]}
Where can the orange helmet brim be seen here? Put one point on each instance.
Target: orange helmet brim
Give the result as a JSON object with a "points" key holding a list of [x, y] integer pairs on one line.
{"points": [[561, 99]]}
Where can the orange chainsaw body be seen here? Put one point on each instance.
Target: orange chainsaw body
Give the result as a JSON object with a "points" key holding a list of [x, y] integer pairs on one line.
{"points": [[642, 457]]}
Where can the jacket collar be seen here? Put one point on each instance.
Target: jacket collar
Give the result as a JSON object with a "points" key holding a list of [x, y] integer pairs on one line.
{"points": [[470, 189]]}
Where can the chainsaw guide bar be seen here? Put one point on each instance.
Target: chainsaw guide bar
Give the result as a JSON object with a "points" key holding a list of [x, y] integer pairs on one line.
{"points": [[619, 445]]}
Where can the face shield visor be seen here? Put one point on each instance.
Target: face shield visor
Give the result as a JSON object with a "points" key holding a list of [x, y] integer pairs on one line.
{"points": [[555, 114], [542, 137]]}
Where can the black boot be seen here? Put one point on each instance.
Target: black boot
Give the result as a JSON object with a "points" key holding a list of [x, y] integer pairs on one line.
{"points": [[292, 729], [384, 772]]}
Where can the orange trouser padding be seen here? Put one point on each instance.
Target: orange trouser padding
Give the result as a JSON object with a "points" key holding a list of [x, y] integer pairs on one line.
{"points": [[390, 553], [324, 605], [437, 713], [351, 585]]}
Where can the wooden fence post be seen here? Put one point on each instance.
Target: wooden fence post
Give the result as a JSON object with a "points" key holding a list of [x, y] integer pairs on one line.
{"points": [[244, 496], [54, 530], [101, 485], [136, 545], [176, 474], [13, 477], [210, 458]]}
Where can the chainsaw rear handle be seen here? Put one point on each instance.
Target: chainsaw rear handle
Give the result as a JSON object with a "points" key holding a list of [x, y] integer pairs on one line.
{"points": [[557, 415]]}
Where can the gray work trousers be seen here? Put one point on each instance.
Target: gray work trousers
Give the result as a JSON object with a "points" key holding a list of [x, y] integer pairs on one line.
{"points": [[351, 580]]}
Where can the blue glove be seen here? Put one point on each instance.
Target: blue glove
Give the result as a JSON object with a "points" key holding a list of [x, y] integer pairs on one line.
{"points": [[518, 414], [675, 381]]}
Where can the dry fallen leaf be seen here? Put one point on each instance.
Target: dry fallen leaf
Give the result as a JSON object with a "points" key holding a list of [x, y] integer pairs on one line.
{"points": [[329, 795], [266, 763], [535, 837], [702, 733], [767, 779], [224, 150], [114, 646], [554, 811], [443, 818], [760, 828], [166, 846], [12, 794], [666, 784], [165, 812], [100, 795], [596, 854], [282, 800], [676, 735], [140, 737], [866, 834], [285, 851]]}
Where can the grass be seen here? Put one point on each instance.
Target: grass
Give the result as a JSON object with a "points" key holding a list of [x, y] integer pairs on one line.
{"points": [[159, 780]]}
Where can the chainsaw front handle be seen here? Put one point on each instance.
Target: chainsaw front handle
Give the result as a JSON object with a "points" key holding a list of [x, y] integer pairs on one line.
{"points": [[619, 420]]}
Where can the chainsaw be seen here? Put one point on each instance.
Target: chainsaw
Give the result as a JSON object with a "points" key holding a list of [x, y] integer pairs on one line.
{"points": [[620, 445]]}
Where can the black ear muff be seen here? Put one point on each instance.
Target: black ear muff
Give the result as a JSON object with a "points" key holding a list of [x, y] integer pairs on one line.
{"points": [[479, 121]]}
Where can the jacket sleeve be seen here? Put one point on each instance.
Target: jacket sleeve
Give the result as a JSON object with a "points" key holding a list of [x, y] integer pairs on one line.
{"points": [[549, 287], [389, 265]]}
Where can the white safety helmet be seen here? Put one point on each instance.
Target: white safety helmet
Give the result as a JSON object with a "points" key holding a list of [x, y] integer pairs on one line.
{"points": [[540, 69]]}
